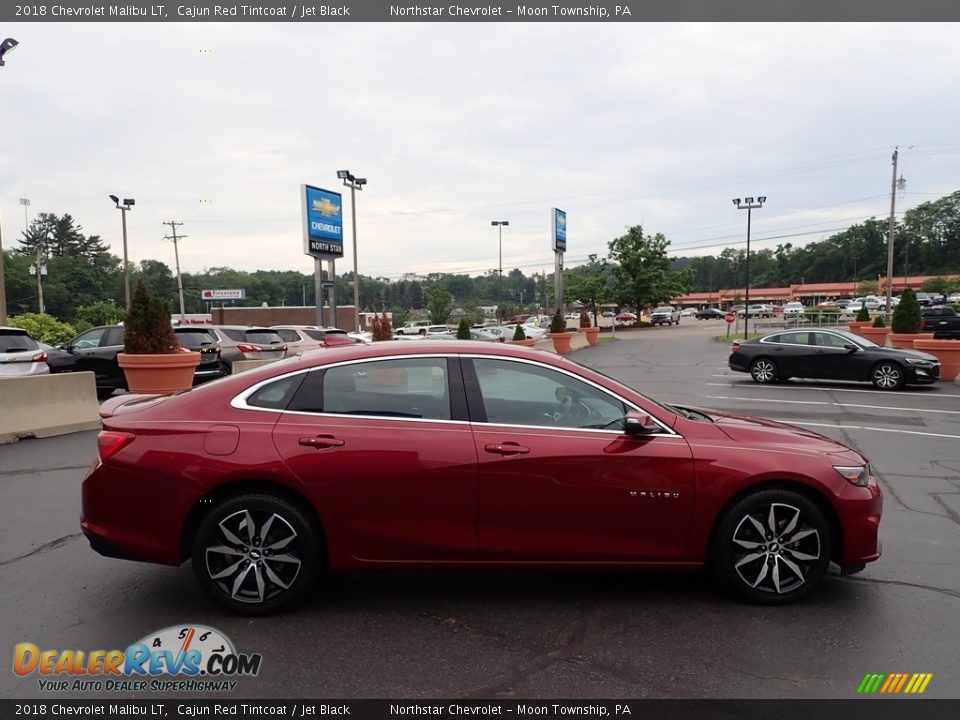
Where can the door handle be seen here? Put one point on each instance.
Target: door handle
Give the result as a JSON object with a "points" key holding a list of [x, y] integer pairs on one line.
{"points": [[321, 441], [507, 448]]}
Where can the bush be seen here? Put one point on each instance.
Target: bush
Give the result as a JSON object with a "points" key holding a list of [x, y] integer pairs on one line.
{"points": [[878, 322], [585, 320], [906, 316], [100, 313], [863, 315], [463, 330], [146, 328], [43, 328], [380, 328], [518, 333], [557, 323]]}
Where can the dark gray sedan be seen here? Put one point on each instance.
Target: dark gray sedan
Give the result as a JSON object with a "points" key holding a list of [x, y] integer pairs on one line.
{"points": [[831, 355]]}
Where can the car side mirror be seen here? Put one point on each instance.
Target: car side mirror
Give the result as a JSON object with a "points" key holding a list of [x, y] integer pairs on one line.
{"points": [[851, 347], [639, 423]]}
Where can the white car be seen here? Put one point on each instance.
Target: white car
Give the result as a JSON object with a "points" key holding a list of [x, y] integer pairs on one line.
{"points": [[413, 327], [300, 338], [793, 309], [20, 354], [688, 312]]}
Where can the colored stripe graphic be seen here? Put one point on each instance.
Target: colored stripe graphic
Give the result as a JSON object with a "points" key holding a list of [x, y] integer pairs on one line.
{"points": [[894, 683]]}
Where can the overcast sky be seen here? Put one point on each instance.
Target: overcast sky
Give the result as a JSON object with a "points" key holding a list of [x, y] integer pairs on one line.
{"points": [[455, 125]]}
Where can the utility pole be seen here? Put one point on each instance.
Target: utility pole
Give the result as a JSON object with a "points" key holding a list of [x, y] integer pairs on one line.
{"points": [[3, 283], [176, 254], [893, 203]]}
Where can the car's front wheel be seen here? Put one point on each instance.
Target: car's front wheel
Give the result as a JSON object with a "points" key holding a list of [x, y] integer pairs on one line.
{"points": [[887, 376], [772, 546], [763, 371], [257, 553]]}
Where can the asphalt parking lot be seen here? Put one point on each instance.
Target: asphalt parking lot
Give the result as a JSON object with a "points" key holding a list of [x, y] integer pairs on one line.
{"points": [[522, 635]]}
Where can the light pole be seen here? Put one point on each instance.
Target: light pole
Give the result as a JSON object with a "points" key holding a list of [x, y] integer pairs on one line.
{"points": [[127, 204], [5, 47], [354, 183], [888, 311], [749, 205], [26, 220], [499, 225]]}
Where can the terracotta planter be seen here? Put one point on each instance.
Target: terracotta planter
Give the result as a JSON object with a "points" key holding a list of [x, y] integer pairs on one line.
{"points": [[904, 341], [855, 326], [946, 351], [159, 374], [592, 334], [875, 334], [529, 342], [561, 342]]}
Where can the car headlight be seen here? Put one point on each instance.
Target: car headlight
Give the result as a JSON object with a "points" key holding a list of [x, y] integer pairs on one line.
{"points": [[918, 361], [857, 475]]}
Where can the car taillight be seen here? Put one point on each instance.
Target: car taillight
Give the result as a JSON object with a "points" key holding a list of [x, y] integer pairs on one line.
{"points": [[735, 347], [40, 357], [284, 348], [110, 442], [244, 347]]}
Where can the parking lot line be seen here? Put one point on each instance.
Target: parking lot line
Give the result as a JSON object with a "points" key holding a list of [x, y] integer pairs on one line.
{"points": [[876, 429], [902, 393], [771, 400], [835, 404], [887, 407]]}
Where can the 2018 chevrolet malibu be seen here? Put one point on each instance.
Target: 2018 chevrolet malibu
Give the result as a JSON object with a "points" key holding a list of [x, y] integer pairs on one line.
{"points": [[465, 454]]}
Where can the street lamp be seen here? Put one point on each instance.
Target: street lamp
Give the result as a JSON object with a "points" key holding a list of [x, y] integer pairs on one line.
{"points": [[749, 205], [127, 204], [354, 183], [26, 221], [5, 47], [499, 225]]}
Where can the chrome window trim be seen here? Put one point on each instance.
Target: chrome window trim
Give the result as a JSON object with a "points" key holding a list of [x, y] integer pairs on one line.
{"points": [[238, 402], [668, 431]]}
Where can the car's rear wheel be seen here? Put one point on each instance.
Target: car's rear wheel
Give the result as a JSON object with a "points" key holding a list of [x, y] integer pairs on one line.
{"points": [[763, 371], [257, 553], [772, 546], [887, 376]]}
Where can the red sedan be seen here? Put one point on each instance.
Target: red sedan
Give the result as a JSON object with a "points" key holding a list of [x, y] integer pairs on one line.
{"points": [[464, 454]]}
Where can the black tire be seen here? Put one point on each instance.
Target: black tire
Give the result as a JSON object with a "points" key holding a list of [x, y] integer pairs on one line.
{"points": [[887, 376], [274, 583], [678, 321], [775, 570], [763, 371]]}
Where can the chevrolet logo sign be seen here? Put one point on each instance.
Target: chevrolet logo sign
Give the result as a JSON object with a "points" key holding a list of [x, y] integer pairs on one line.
{"points": [[325, 207]]}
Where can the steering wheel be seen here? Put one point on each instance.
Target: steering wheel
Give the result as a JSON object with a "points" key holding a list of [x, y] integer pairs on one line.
{"points": [[569, 412]]}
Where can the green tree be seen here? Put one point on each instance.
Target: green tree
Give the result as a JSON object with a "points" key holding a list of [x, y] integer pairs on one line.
{"points": [[43, 328], [439, 305], [463, 329], [100, 313], [906, 316], [590, 283], [867, 287], [642, 269], [146, 328], [937, 285]]}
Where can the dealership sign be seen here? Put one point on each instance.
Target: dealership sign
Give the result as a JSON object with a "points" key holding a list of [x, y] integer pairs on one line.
{"points": [[558, 230], [322, 212], [232, 294]]}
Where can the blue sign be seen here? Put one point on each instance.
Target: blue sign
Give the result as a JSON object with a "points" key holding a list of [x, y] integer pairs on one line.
{"points": [[559, 233], [322, 222]]}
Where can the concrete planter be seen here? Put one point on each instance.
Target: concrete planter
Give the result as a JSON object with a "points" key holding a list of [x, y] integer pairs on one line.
{"points": [[561, 342], [904, 341], [529, 342], [875, 334], [947, 352], [855, 326], [159, 374], [592, 334]]}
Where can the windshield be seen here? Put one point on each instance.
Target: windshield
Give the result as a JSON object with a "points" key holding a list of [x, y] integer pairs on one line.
{"points": [[195, 338], [16, 342], [263, 337]]}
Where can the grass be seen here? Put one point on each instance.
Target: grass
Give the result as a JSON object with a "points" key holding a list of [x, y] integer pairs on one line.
{"points": [[739, 336], [605, 339]]}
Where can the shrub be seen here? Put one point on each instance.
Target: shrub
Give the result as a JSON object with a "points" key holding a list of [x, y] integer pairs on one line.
{"points": [[878, 322], [557, 323], [380, 328], [585, 320], [863, 315], [146, 328], [43, 328], [906, 316], [463, 330], [100, 313], [518, 333], [386, 327]]}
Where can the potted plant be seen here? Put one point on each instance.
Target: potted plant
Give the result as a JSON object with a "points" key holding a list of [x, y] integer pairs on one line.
{"points": [[520, 337], [558, 333], [587, 328], [463, 330], [906, 322], [152, 359], [862, 320], [877, 332]]}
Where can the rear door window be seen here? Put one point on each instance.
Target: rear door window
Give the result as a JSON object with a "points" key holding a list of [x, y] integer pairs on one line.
{"points": [[12, 341]]}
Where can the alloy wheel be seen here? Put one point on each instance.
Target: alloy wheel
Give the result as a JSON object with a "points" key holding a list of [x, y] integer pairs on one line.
{"points": [[774, 549], [763, 371], [254, 556], [887, 376]]}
